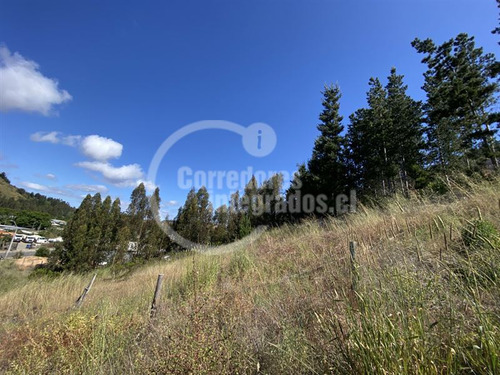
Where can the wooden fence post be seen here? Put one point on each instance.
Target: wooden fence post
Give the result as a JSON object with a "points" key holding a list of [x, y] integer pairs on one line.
{"points": [[80, 299], [156, 297]]}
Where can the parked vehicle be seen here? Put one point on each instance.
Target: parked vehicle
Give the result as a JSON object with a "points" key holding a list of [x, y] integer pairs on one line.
{"points": [[55, 240], [41, 240], [29, 239], [18, 237]]}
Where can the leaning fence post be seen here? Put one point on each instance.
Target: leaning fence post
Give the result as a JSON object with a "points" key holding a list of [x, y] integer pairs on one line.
{"points": [[156, 297], [80, 299], [352, 250]]}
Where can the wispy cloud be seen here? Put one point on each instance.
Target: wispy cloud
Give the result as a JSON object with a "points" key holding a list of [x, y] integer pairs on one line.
{"points": [[56, 137], [47, 176], [70, 190], [47, 189], [99, 149], [124, 176], [23, 87], [88, 188], [4, 162]]}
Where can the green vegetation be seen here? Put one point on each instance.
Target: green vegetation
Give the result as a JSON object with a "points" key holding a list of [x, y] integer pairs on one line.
{"points": [[16, 201], [24, 218], [291, 302], [10, 276], [42, 252]]}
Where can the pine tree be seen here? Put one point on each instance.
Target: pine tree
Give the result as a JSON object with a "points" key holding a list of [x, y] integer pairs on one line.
{"points": [[405, 138], [371, 167], [497, 29], [460, 94], [245, 225], [300, 186], [327, 167], [270, 193]]}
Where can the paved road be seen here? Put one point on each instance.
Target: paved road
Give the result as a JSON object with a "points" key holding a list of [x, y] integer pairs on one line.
{"points": [[21, 248]]}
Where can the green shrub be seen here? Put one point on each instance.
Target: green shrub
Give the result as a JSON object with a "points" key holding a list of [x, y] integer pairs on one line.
{"points": [[44, 270], [42, 252], [479, 234]]}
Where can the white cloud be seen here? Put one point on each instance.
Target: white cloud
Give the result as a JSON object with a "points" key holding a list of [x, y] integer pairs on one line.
{"points": [[46, 189], [172, 204], [71, 191], [93, 146], [48, 176], [71, 140], [101, 148], [124, 176], [56, 137], [88, 188], [32, 185], [23, 87], [52, 137]]}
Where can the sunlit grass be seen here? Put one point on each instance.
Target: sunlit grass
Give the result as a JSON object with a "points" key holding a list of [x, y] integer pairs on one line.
{"points": [[287, 303]]}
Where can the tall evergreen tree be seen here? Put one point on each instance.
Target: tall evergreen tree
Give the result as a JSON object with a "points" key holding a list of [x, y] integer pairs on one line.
{"points": [[137, 212], [205, 214], [327, 165], [369, 139], [405, 138], [82, 235], [105, 246], [273, 202], [460, 95]]}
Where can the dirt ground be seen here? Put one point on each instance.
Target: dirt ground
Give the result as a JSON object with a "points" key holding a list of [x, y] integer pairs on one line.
{"points": [[29, 262]]}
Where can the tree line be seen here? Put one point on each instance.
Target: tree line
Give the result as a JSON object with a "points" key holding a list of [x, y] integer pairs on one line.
{"points": [[394, 145], [33, 202]]}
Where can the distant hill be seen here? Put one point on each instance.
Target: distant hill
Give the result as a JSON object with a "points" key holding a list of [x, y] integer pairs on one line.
{"points": [[15, 198]]}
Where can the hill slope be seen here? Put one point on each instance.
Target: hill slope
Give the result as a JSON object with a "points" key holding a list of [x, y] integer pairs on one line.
{"points": [[12, 197], [422, 296], [7, 190]]}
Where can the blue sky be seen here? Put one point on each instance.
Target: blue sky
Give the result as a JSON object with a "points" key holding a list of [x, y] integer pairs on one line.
{"points": [[131, 74]]}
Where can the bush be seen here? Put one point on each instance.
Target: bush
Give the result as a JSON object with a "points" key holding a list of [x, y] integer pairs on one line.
{"points": [[479, 234], [42, 252], [44, 270]]}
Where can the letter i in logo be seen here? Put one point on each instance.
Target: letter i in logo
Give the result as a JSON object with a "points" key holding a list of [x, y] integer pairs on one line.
{"points": [[259, 139]]}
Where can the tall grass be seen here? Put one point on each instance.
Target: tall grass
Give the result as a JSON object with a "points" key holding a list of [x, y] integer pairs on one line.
{"points": [[286, 303]]}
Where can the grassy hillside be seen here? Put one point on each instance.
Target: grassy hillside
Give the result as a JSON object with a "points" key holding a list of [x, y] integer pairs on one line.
{"points": [[291, 302], [9, 191], [14, 199]]}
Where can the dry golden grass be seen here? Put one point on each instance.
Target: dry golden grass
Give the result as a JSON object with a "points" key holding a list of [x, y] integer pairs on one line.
{"points": [[285, 303]]}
